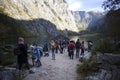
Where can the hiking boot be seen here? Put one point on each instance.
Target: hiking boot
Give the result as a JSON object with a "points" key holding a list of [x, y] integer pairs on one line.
{"points": [[31, 72]]}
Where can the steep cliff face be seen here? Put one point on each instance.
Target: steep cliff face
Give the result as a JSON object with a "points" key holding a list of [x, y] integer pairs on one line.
{"points": [[39, 16], [85, 20]]}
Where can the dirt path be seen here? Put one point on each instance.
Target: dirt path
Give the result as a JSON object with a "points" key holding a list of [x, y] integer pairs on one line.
{"points": [[60, 69]]}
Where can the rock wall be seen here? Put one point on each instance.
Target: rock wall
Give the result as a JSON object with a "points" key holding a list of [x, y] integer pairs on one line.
{"points": [[40, 16], [84, 19]]}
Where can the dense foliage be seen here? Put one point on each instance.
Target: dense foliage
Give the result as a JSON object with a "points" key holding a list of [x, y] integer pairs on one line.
{"points": [[113, 23], [111, 4]]}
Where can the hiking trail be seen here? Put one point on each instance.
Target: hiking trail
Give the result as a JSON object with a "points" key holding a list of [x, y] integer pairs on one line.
{"points": [[63, 68]]}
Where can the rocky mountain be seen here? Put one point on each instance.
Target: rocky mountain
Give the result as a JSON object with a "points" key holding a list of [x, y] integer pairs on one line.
{"points": [[86, 20], [38, 17]]}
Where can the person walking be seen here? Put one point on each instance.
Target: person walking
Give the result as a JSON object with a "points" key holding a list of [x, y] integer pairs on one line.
{"points": [[90, 44], [56, 46], [71, 47], [33, 54], [61, 46], [82, 48], [53, 49], [38, 53], [77, 44], [45, 50], [64, 45]]}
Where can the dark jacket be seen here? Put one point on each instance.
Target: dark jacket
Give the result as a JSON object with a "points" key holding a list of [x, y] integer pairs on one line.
{"points": [[23, 56], [45, 48], [77, 45]]}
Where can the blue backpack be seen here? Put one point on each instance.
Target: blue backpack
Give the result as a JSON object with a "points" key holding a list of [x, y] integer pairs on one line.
{"points": [[38, 52]]}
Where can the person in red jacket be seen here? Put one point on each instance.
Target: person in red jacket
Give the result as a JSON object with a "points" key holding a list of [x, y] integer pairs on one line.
{"points": [[71, 48], [56, 46]]}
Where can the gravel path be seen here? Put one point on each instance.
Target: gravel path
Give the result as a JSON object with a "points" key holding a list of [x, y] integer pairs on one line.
{"points": [[60, 69]]}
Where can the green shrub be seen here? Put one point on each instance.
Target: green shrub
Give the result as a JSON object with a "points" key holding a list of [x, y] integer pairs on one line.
{"points": [[87, 67], [83, 68], [103, 46]]}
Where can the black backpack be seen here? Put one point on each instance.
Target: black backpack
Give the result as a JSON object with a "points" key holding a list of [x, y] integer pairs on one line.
{"points": [[77, 44]]}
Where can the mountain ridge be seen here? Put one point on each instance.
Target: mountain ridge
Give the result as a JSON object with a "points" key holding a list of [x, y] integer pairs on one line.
{"points": [[84, 20]]}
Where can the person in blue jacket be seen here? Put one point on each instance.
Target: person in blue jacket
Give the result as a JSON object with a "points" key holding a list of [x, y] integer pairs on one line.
{"points": [[38, 53]]}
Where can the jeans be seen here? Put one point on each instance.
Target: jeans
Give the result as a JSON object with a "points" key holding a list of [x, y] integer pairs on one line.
{"points": [[53, 55], [71, 54], [82, 52], [77, 53]]}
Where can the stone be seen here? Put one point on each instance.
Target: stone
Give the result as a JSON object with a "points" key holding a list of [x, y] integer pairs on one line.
{"points": [[108, 67]]}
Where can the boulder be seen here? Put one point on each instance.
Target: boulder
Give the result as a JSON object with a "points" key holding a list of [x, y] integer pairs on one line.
{"points": [[109, 67]]}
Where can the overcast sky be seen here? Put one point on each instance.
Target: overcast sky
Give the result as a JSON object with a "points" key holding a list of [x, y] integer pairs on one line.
{"points": [[85, 5]]}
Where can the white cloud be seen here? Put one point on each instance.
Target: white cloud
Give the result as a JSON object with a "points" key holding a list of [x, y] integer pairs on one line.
{"points": [[86, 5], [75, 5], [96, 9]]}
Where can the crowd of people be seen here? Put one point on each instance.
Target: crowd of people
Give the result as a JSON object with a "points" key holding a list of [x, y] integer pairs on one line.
{"points": [[55, 46]]}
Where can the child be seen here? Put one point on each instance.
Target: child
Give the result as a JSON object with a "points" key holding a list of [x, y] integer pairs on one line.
{"points": [[38, 53]]}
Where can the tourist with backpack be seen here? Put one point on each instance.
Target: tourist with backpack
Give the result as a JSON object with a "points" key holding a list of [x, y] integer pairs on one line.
{"points": [[38, 53], [22, 56], [77, 44], [71, 47]]}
